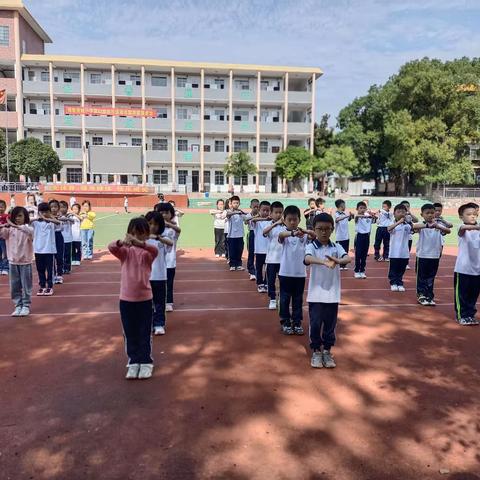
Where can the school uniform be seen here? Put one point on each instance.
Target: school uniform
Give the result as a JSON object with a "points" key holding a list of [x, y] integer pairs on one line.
{"points": [[219, 231], [225, 236], [399, 253], [60, 245], [273, 259], [158, 282], [382, 235], [292, 276], [429, 251], [251, 245], [76, 241], [467, 274], [363, 227], [235, 239], [171, 261], [323, 294], [261, 248], [44, 247], [67, 243], [342, 234]]}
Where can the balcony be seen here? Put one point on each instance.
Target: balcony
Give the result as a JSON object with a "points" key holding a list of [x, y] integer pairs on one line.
{"points": [[272, 97], [11, 120], [216, 94], [162, 124], [66, 154], [300, 97], [187, 125], [74, 121], [159, 156], [244, 127], [36, 121], [215, 126], [215, 158], [187, 93], [188, 157], [299, 128], [128, 123], [128, 90], [8, 84], [273, 128], [98, 89], [35, 87], [157, 92], [98, 122], [61, 88], [248, 96]]}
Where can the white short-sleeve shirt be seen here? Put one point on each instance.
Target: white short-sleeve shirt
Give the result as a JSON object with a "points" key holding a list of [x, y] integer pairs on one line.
{"points": [[364, 225], [385, 219], [44, 237], [341, 227], [293, 255], [468, 257], [274, 251], [159, 265], [324, 282], [399, 237], [261, 242], [429, 244], [236, 227], [171, 252]]}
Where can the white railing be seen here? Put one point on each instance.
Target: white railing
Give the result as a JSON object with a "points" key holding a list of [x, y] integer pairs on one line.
{"points": [[459, 192]]}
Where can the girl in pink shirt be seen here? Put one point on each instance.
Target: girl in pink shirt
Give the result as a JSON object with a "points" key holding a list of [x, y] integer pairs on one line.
{"points": [[136, 258], [18, 235]]}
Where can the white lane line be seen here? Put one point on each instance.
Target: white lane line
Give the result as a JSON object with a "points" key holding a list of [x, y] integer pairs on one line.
{"points": [[107, 216]]}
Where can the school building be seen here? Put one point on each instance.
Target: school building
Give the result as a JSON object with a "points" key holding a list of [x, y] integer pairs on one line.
{"points": [[131, 121]]}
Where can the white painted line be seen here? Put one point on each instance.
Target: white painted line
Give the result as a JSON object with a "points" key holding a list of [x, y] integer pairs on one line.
{"points": [[108, 216]]}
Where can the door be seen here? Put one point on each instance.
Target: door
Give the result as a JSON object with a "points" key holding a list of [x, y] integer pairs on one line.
{"points": [[274, 182], [195, 180]]}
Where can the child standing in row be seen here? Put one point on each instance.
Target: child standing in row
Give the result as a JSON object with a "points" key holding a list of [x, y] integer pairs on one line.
{"points": [[136, 257], [363, 227], [3, 244], [254, 209], [410, 218], [219, 228], [67, 221], [59, 243], [87, 229], [259, 223], [382, 235], [76, 235], [236, 217], [18, 235], [342, 233]]}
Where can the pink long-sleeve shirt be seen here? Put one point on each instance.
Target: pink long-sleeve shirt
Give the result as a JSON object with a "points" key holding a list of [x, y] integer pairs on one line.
{"points": [[19, 244], [136, 268]]}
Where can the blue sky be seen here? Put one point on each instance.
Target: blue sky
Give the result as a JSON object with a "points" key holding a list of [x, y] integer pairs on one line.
{"points": [[356, 43]]}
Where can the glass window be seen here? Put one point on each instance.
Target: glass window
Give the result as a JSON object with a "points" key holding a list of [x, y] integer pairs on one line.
{"points": [[47, 140], [162, 112], [96, 78], [240, 115], [182, 145], [220, 146], [263, 84], [242, 84], [158, 81], [219, 177], [97, 140], [275, 149], [74, 175], [31, 76], [159, 144], [240, 146], [160, 177], [182, 114], [73, 142], [207, 148], [220, 83], [262, 178], [136, 142], [44, 76], [263, 147], [32, 107], [46, 108], [181, 82], [206, 176], [136, 79], [182, 177], [4, 35], [71, 77], [220, 115]]}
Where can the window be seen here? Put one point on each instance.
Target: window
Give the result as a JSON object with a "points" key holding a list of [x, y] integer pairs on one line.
{"points": [[220, 83], [46, 108], [275, 149], [160, 177], [159, 144], [162, 112], [96, 78], [73, 142], [206, 177], [71, 77], [220, 115], [240, 146], [135, 79], [263, 147], [182, 177], [4, 35], [74, 175], [158, 81], [220, 146], [136, 142], [47, 139], [244, 178], [182, 114], [206, 148], [240, 115], [32, 108], [44, 76], [97, 140], [182, 145], [263, 84], [181, 82], [31, 76], [219, 177], [242, 84], [262, 178]]}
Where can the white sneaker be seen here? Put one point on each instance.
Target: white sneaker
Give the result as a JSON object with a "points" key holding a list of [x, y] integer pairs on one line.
{"points": [[401, 288], [252, 277], [217, 255], [394, 288], [363, 275], [159, 331], [169, 307], [240, 269], [272, 305], [4, 272], [146, 370], [317, 360], [24, 312], [408, 267], [260, 289], [357, 275], [16, 312], [232, 269], [132, 371]]}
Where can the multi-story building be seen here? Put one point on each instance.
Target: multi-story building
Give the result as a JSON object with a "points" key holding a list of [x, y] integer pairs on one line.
{"points": [[200, 113]]}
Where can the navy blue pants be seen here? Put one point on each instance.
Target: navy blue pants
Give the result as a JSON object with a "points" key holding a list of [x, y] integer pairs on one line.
{"points": [[272, 272], [159, 291], [291, 290], [225, 236], [396, 270], [427, 269], [382, 235], [259, 264], [44, 264], [59, 244], [251, 253], [76, 251], [345, 245], [235, 250], [466, 292], [323, 321], [170, 280], [67, 257], [137, 329], [362, 242]]}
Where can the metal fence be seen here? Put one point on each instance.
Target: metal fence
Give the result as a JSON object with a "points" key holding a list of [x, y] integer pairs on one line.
{"points": [[458, 192], [14, 187]]}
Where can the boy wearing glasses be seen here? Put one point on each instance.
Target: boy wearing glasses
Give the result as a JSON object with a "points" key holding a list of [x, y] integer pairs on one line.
{"points": [[325, 259]]}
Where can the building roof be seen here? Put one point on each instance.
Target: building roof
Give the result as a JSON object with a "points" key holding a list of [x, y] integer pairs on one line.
{"points": [[92, 62], [17, 5]]}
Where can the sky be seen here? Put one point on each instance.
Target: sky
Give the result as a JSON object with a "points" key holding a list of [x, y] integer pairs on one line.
{"points": [[356, 43]]}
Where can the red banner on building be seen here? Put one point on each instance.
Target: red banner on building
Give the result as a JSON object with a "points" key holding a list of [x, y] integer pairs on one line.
{"points": [[113, 112], [97, 188]]}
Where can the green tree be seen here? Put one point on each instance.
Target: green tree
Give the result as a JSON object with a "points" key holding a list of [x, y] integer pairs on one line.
{"points": [[3, 158], [323, 140], [294, 164], [32, 158], [238, 165], [340, 159]]}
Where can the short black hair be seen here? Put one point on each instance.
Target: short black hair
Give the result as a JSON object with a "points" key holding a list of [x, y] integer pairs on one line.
{"points": [[339, 202], [76, 205], [264, 203], [400, 206], [465, 206], [51, 202], [292, 210], [87, 202], [437, 205], [237, 198], [253, 200], [43, 207], [427, 206], [220, 200], [319, 201], [157, 218], [311, 199], [405, 202], [361, 204], [387, 202], [138, 225], [276, 205], [63, 203], [14, 214], [165, 207], [323, 218]]}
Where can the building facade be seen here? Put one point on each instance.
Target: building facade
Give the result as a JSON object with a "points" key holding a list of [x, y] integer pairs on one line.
{"points": [[202, 112]]}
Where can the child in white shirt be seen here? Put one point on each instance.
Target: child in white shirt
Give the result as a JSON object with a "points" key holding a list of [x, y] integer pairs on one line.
{"points": [[259, 223], [342, 234], [219, 215], [236, 218], [363, 227], [254, 208], [67, 220], [385, 219], [76, 236]]}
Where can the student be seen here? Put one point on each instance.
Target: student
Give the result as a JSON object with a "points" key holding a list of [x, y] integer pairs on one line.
{"points": [[385, 219], [292, 271], [125, 203], [72, 200], [400, 232], [18, 235], [172, 232], [274, 251], [310, 213], [87, 229], [76, 237], [324, 258], [219, 215], [59, 242], [342, 234], [429, 251], [259, 223], [439, 218], [320, 204], [158, 277], [410, 218], [31, 206], [254, 208], [136, 257], [227, 229], [363, 227], [3, 244], [467, 266], [44, 248], [236, 218], [178, 213], [67, 220]]}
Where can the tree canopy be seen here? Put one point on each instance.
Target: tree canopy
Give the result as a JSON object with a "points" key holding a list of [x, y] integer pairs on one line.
{"points": [[294, 163], [238, 165]]}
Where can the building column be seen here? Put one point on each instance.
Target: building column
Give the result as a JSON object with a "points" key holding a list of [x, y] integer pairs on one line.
{"points": [[230, 124], [312, 129], [144, 131], [285, 112], [172, 95], [84, 134], [18, 78], [52, 109], [202, 129], [257, 153], [114, 120]]}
